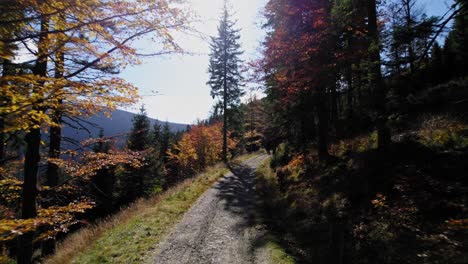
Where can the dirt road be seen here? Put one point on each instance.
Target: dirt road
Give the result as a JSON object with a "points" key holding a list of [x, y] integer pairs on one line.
{"points": [[220, 227]]}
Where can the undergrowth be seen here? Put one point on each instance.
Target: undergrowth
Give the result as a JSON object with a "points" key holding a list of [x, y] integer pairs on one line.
{"points": [[407, 205]]}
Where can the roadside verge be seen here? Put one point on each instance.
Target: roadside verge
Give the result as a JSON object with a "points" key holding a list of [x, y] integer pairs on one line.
{"points": [[134, 232]]}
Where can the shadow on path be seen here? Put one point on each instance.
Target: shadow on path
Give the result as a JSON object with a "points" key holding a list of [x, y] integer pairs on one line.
{"points": [[237, 195]]}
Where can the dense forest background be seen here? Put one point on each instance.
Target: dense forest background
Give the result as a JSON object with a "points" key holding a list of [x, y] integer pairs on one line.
{"points": [[367, 103], [364, 117]]}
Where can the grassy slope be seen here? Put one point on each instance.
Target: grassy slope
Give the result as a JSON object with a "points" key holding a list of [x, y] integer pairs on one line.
{"points": [[131, 234], [128, 236], [275, 251]]}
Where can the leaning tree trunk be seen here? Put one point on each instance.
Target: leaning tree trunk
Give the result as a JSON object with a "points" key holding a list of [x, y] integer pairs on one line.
{"points": [[32, 157]]}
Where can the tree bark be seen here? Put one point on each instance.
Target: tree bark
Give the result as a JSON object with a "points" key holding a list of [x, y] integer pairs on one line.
{"points": [[225, 94], [322, 127], [384, 136], [6, 65], [349, 98], [52, 174], [408, 18], [32, 157]]}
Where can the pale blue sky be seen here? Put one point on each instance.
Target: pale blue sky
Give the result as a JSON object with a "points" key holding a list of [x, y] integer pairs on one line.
{"points": [[180, 80]]}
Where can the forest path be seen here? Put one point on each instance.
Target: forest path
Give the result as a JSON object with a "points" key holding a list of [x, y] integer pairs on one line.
{"points": [[221, 226]]}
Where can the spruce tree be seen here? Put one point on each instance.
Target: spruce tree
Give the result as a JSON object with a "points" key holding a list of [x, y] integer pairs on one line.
{"points": [[138, 140], [139, 137], [225, 78], [166, 137], [156, 162]]}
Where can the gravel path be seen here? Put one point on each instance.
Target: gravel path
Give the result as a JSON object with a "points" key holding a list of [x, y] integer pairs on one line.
{"points": [[220, 227]]}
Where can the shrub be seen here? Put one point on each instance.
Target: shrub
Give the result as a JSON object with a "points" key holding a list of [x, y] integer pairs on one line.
{"points": [[281, 157], [443, 132]]}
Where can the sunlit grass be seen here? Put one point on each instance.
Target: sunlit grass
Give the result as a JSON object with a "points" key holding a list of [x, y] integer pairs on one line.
{"points": [[277, 254], [134, 232]]}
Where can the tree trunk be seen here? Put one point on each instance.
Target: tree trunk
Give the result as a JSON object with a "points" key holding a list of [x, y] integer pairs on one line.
{"points": [[349, 98], [32, 157], [336, 245], [322, 127], [384, 136], [225, 94], [52, 173], [28, 208], [334, 108], [6, 65], [358, 85], [225, 124], [410, 43]]}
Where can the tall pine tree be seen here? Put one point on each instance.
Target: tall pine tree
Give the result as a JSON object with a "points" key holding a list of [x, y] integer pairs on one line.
{"points": [[225, 77]]}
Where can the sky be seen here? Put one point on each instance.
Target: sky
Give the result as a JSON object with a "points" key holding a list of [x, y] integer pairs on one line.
{"points": [[180, 80]]}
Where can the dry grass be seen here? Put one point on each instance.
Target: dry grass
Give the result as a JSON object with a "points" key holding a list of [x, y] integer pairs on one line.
{"points": [[443, 132], [130, 234]]}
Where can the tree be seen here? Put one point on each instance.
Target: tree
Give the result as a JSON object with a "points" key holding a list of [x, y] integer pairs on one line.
{"points": [[57, 111], [457, 41], [298, 61], [156, 161], [197, 149], [225, 77], [102, 184], [166, 139], [254, 121], [410, 31], [138, 140], [98, 37], [375, 80]]}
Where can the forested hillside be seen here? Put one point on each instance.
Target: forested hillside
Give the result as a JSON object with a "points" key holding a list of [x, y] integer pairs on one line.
{"points": [[119, 123], [367, 103], [361, 105]]}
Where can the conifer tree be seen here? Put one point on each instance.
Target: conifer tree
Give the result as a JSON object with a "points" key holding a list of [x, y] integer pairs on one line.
{"points": [[139, 137], [225, 78], [165, 140], [138, 140], [156, 162]]}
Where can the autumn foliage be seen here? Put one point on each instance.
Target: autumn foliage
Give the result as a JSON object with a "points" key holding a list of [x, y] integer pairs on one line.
{"points": [[198, 148], [297, 56], [59, 206]]}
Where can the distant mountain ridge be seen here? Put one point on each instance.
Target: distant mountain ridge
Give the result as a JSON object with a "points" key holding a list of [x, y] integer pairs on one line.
{"points": [[119, 124]]}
